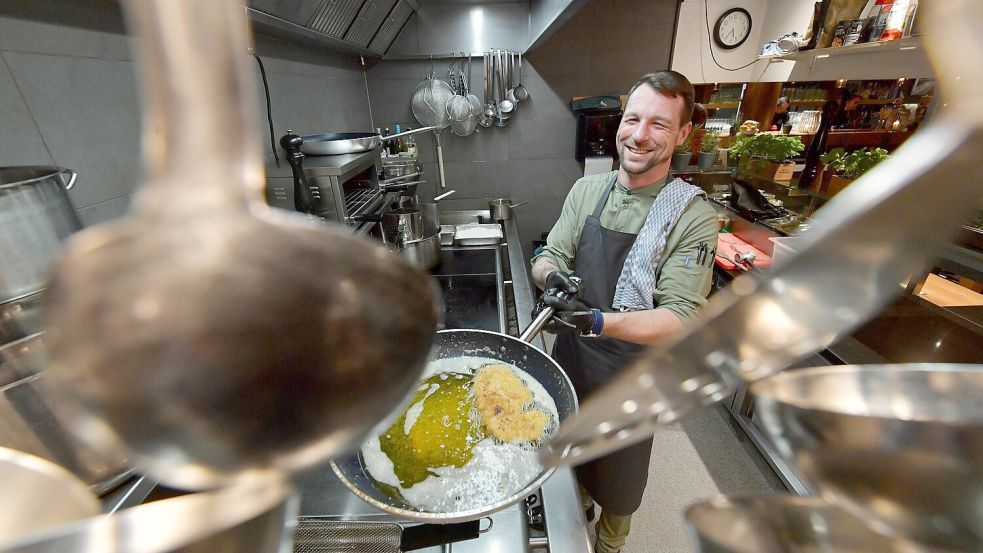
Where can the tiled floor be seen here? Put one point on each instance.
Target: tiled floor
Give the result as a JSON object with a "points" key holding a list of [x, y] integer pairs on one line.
{"points": [[704, 455]]}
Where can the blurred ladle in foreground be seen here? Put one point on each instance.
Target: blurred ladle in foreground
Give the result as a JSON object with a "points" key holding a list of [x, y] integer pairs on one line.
{"points": [[206, 332]]}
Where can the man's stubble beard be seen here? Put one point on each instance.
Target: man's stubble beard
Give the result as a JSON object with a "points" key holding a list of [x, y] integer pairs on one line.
{"points": [[659, 158]]}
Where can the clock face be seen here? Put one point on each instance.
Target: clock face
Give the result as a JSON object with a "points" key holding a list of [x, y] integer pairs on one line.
{"points": [[732, 28]]}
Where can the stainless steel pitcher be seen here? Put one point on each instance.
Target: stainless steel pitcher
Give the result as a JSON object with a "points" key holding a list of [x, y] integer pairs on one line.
{"points": [[35, 218]]}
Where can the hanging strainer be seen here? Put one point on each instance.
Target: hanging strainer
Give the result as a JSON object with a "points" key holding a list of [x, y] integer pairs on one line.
{"points": [[429, 102], [458, 106]]}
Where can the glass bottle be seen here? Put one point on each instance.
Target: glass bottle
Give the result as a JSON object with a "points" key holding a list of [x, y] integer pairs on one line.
{"points": [[410, 144], [395, 144]]}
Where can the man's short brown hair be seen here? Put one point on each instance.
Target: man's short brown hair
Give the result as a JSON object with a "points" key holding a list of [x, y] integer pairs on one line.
{"points": [[672, 84]]}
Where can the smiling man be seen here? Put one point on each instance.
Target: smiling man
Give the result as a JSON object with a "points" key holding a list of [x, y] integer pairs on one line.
{"points": [[642, 246]]}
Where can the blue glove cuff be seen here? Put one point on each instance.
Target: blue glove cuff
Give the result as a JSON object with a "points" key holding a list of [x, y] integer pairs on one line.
{"points": [[598, 322]]}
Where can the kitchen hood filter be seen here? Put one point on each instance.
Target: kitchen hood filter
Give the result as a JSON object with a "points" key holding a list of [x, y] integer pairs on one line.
{"points": [[333, 17], [391, 27], [369, 20]]}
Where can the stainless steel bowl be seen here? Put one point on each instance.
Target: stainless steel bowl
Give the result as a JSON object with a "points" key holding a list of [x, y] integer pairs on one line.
{"points": [[900, 443], [773, 524]]}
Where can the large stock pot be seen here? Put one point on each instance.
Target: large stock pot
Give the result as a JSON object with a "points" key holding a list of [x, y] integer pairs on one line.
{"points": [[35, 218]]}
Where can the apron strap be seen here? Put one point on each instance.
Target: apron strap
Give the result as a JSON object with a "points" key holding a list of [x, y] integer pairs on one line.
{"points": [[604, 197]]}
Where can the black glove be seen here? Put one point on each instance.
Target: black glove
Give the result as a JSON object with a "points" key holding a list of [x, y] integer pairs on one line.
{"points": [[556, 282], [569, 315], [563, 282]]}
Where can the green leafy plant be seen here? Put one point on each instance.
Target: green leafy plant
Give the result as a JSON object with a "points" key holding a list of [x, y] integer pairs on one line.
{"points": [[854, 164], [832, 157], [686, 147], [711, 139], [771, 147], [977, 223]]}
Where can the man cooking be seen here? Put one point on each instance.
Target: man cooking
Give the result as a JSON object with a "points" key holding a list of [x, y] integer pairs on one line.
{"points": [[642, 246]]}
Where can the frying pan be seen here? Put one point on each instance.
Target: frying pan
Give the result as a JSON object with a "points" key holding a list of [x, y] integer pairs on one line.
{"points": [[337, 143], [477, 343]]}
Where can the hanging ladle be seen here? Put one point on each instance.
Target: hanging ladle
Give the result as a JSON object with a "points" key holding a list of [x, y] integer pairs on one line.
{"points": [[520, 92], [207, 333]]}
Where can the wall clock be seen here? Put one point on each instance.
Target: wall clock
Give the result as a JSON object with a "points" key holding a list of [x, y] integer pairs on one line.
{"points": [[732, 28]]}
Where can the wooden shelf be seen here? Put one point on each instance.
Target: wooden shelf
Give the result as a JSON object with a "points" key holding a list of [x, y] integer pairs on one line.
{"points": [[721, 105]]}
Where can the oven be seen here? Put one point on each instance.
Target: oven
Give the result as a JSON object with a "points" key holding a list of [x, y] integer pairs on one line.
{"points": [[348, 185]]}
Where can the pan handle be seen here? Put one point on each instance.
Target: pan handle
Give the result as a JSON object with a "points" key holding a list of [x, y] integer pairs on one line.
{"points": [[539, 322], [387, 138], [429, 535]]}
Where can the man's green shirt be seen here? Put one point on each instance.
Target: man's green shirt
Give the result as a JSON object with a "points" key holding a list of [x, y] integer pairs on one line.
{"points": [[682, 282]]}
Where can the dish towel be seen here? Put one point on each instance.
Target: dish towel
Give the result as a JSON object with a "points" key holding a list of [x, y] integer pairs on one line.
{"points": [[637, 281]]}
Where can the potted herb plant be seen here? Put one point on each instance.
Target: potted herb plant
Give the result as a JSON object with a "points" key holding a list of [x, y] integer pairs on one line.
{"points": [[768, 156], [682, 154], [708, 149], [844, 167]]}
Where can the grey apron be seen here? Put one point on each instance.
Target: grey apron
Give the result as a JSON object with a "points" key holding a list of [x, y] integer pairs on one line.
{"points": [[615, 481]]}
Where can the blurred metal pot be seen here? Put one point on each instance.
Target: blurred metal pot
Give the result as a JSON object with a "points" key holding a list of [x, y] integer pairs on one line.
{"points": [[249, 517], [21, 358], [30, 421], [29, 485], [35, 218], [21, 317]]}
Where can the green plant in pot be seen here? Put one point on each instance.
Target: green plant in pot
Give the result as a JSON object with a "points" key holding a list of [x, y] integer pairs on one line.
{"points": [[845, 167], [682, 154], [708, 149], [768, 156]]}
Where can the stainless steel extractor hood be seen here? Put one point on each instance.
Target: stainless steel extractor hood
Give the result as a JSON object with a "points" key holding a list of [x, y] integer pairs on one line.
{"points": [[364, 27]]}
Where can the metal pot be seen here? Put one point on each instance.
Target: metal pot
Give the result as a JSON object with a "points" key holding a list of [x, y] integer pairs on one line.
{"points": [[501, 208], [21, 359], [424, 253], [402, 226], [31, 420], [252, 516], [29, 484], [20, 317], [35, 218]]}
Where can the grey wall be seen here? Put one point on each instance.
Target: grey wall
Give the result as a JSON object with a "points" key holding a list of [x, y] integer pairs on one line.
{"points": [[68, 96], [604, 48]]}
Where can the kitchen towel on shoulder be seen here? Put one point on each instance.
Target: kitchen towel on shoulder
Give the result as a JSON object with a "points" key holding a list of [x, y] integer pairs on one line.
{"points": [[638, 280]]}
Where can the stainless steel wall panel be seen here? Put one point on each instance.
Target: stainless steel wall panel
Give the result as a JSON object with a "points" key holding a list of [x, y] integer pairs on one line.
{"points": [[442, 29], [334, 17], [368, 21], [391, 27]]}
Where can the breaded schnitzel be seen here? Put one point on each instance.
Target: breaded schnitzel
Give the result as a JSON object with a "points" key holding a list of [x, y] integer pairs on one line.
{"points": [[501, 398]]}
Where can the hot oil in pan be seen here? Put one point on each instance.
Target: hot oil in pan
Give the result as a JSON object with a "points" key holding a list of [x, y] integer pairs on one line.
{"points": [[439, 456]]}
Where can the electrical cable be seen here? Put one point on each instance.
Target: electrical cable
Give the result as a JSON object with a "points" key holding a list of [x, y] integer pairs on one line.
{"points": [[269, 107], [706, 17]]}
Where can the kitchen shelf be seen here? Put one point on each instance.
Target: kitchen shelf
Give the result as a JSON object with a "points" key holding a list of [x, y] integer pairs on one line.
{"points": [[902, 44]]}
